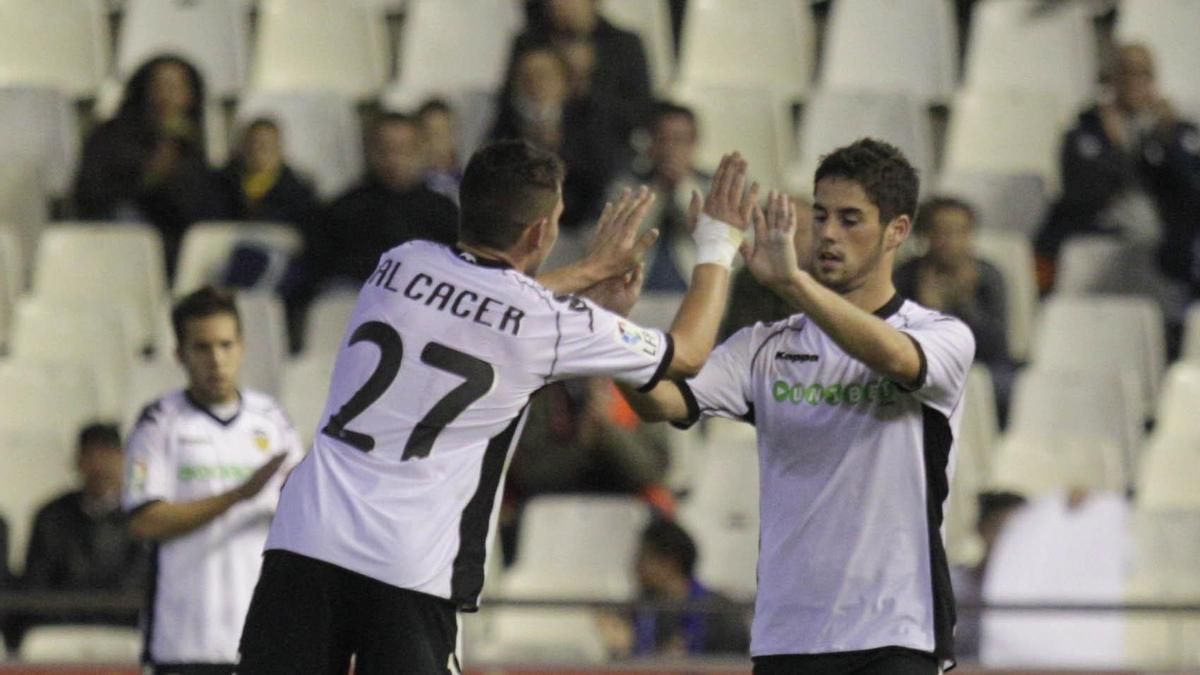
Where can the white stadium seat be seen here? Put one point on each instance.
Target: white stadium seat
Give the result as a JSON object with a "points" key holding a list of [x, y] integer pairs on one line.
{"points": [[207, 246], [149, 381], [1052, 552], [211, 34], [651, 20], [24, 204], [40, 398], [557, 548], [1012, 254], [93, 337], [1028, 44], [336, 45], [104, 264], [265, 331], [1002, 201], [303, 391], [36, 469], [1005, 131], [48, 138], [12, 278], [328, 317], [58, 43], [770, 45], [749, 119], [448, 46], [833, 118], [82, 644], [1176, 411], [1168, 27], [913, 47], [321, 134], [1103, 333]]}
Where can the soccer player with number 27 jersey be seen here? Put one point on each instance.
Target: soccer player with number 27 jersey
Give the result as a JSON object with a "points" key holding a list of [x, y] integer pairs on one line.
{"points": [[382, 531]]}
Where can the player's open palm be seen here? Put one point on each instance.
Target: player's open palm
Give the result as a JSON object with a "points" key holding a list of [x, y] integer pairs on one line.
{"points": [[771, 257], [728, 200], [616, 245]]}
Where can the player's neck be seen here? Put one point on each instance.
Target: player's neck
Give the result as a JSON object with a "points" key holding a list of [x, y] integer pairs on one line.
{"points": [[516, 262], [870, 296]]}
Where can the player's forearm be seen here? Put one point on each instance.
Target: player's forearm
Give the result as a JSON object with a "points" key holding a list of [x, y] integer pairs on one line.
{"points": [[573, 278], [167, 520], [862, 335], [663, 403], [695, 327]]}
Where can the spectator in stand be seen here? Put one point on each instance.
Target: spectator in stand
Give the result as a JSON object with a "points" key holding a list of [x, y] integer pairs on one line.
{"points": [[259, 185], [1130, 168], [579, 437], [750, 301], [671, 173], [390, 206], [994, 509], [148, 163], [950, 279], [439, 126], [537, 106], [80, 539], [606, 64], [666, 572]]}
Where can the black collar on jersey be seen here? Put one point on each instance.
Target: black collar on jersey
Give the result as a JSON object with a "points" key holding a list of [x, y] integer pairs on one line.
{"points": [[475, 259], [187, 394], [890, 307]]}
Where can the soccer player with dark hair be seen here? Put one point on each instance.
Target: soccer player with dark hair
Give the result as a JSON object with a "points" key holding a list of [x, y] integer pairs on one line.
{"points": [[856, 400], [202, 482], [383, 530]]}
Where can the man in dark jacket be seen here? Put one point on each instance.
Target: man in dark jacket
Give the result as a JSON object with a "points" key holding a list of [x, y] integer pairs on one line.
{"points": [[81, 540], [259, 185], [1130, 167], [390, 206]]}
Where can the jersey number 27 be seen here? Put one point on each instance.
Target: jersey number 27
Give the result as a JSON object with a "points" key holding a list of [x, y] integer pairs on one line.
{"points": [[478, 376]]}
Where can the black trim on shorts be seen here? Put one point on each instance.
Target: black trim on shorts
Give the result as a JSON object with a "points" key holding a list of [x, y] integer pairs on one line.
{"points": [[466, 580], [194, 668], [938, 438], [897, 661], [668, 355], [693, 406]]}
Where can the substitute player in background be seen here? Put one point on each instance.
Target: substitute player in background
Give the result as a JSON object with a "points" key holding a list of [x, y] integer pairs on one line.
{"points": [[856, 400], [202, 483], [383, 530]]}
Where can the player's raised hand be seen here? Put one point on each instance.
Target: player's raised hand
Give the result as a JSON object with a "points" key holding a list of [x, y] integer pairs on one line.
{"points": [[258, 480], [728, 200], [616, 247], [620, 293], [772, 255]]}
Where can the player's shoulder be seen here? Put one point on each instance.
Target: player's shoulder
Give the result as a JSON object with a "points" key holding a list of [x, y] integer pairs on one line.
{"points": [[414, 247], [263, 405], [915, 315], [161, 410], [751, 340]]}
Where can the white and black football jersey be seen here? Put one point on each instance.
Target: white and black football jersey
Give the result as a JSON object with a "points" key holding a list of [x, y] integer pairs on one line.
{"points": [[427, 397]]}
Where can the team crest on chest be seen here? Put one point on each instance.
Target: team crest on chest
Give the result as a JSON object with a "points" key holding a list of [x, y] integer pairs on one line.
{"points": [[261, 440]]}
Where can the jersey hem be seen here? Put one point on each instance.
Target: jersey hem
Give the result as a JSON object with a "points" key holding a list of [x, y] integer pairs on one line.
{"points": [[693, 406]]}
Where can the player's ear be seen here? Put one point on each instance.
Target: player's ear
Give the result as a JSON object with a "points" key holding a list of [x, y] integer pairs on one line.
{"points": [[536, 235], [897, 231]]}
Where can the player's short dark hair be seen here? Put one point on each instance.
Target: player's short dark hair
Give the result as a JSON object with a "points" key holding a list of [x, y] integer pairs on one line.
{"points": [[890, 182], [931, 206], [668, 539], [664, 109], [506, 186], [102, 434], [200, 303], [434, 105]]}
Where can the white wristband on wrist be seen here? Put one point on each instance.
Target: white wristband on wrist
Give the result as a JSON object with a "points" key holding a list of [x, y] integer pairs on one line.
{"points": [[716, 242]]}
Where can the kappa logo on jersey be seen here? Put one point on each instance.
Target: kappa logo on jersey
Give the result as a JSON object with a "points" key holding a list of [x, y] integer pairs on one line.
{"points": [[791, 356], [638, 339], [883, 391]]}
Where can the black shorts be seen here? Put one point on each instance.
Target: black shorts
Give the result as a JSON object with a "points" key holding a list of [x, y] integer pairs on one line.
{"points": [[882, 661], [308, 617]]}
